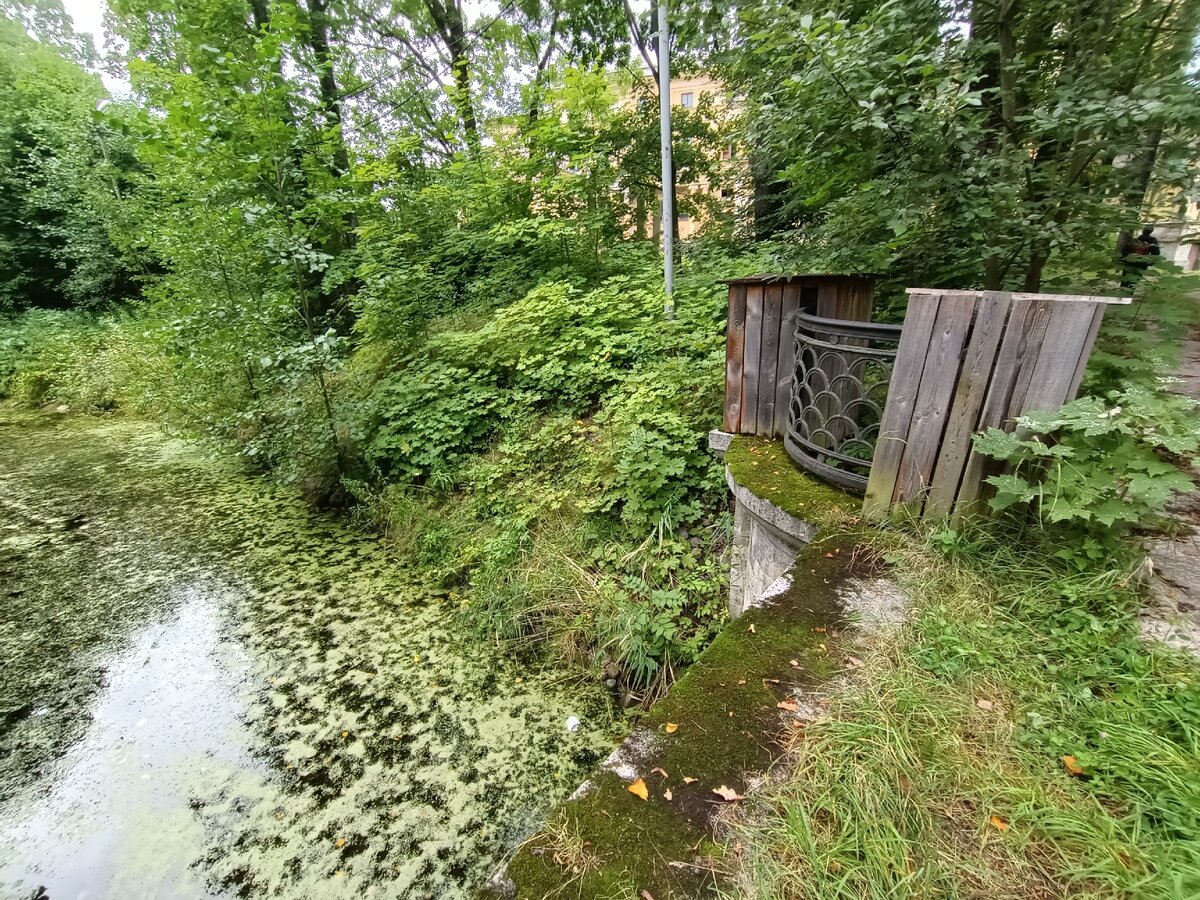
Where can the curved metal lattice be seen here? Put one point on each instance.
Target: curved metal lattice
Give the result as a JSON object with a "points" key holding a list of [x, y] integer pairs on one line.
{"points": [[838, 392]]}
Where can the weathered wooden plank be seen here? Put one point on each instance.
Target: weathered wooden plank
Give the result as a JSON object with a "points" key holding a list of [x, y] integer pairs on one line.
{"points": [[1067, 298], [1022, 337], [1035, 335], [735, 339], [750, 358], [897, 413], [768, 361], [857, 298], [990, 318], [932, 405], [1050, 382], [1075, 298], [1085, 352], [827, 299], [785, 369]]}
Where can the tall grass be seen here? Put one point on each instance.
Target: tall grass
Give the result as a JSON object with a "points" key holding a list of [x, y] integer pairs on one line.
{"points": [[939, 772]]}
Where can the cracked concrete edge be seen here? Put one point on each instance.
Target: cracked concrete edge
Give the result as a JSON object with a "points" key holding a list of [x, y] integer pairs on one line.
{"points": [[766, 511]]}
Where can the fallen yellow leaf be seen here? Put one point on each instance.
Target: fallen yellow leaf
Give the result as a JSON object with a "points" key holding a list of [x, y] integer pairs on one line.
{"points": [[341, 842], [672, 728], [751, 630], [687, 780], [639, 789], [1072, 765], [727, 793], [1000, 824]]}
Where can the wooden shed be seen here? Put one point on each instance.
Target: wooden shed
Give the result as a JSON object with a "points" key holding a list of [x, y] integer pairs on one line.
{"points": [[760, 343]]}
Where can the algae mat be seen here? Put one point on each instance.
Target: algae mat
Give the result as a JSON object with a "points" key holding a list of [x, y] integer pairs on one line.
{"points": [[209, 690]]}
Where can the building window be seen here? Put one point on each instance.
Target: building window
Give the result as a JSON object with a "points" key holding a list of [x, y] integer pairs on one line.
{"points": [[687, 100]]}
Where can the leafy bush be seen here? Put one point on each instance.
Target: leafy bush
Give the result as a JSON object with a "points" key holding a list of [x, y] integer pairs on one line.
{"points": [[1100, 465]]}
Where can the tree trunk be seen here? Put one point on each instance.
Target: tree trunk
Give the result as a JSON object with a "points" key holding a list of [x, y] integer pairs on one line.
{"points": [[331, 103], [448, 19], [1135, 196]]}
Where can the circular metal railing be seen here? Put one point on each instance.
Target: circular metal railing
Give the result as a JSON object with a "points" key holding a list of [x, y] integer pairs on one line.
{"points": [[838, 393]]}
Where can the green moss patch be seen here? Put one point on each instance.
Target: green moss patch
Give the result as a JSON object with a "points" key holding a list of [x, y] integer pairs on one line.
{"points": [[610, 843], [762, 466]]}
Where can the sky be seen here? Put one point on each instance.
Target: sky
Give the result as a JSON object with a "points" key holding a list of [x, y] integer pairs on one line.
{"points": [[88, 15]]}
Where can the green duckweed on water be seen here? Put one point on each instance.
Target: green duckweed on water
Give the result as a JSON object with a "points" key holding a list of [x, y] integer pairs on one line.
{"points": [[210, 690]]}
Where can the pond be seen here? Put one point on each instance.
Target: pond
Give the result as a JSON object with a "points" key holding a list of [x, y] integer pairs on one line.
{"points": [[210, 690]]}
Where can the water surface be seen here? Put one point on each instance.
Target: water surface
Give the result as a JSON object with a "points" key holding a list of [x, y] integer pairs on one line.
{"points": [[209, 690]]}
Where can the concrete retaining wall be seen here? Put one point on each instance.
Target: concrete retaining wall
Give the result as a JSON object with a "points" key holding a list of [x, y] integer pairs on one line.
{"points": [[766, 541]]}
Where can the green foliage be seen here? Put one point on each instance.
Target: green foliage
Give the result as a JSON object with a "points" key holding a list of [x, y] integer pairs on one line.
{"points": [[965, 144], [64, 357], [1010, 661], [1100, 464], [61, 173]]}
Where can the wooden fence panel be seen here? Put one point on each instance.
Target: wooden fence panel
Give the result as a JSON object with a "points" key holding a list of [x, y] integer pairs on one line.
{"points": [[760, 357], [972, 361], [902, 393], [750, 358], [735, 340], [932, 405], [768, 361], [1034, 333], [1088, 343], [996, 403], [1067, 333], [978, 362], [786, 368]]}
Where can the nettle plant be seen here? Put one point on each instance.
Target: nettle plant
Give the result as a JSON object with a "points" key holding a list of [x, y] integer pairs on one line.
{"points": [[1101, 464]]}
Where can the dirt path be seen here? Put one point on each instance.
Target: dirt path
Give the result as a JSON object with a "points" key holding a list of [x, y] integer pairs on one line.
{"points": [[1173, 615]]}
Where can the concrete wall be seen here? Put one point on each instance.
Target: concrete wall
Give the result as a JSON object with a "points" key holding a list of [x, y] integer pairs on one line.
{"points": [[766, 541]]}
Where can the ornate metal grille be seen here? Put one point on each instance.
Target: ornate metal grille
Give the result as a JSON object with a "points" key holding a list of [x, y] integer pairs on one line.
{"points": [[838, 394]]}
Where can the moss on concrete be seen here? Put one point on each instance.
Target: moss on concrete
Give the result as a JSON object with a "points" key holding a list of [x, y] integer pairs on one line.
{"points": [[729, 726], [762, 466]]}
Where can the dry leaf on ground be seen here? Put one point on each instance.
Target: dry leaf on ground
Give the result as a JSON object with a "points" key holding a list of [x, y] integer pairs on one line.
{"points": [[853, 662], [667, 795], [795, 663], [999, 823], [672, 727], [687, 780], [639, 789], [1072, 765], [645, 895], [727, 793], [984, 704], [658, 770], [789, 705]]}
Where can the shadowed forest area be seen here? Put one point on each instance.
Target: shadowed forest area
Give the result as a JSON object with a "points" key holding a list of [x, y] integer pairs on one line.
{"points": [[402, 258]]}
